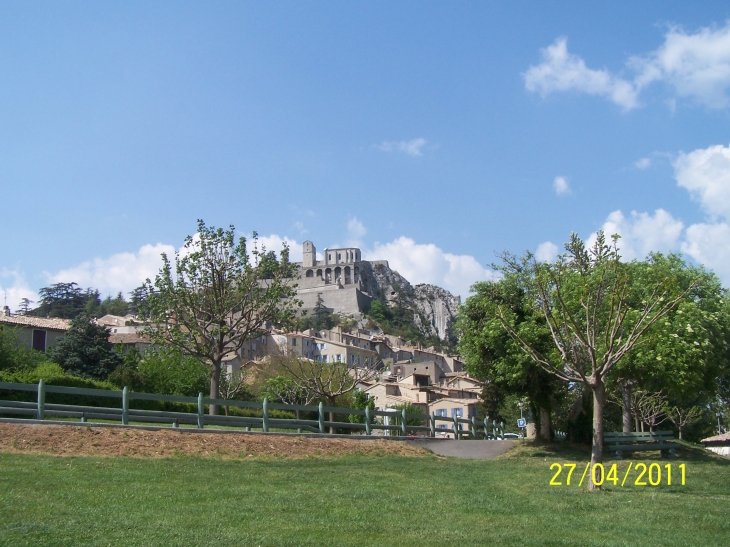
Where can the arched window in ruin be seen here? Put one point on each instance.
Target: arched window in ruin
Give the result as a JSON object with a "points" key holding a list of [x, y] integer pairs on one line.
{"points": [[357, 275], [319, 273], [338, 274], [348, 280], [310, 273], [328, 275]]}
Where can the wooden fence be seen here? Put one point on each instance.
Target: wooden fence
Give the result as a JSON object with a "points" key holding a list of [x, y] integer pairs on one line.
{"points": [[429, 425]]}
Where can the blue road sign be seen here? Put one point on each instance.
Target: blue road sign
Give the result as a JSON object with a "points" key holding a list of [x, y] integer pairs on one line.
{"points": [[521, 422]]}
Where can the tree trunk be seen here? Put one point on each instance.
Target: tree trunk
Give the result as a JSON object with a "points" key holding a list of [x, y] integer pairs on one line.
{"points": [[332, 417], [599, 400], [626, 399], [636, 422], [215, 384], [545, 424], [680, 432]]}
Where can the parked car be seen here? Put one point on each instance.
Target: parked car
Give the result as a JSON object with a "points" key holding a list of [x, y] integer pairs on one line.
{"points": [[511, 436]]}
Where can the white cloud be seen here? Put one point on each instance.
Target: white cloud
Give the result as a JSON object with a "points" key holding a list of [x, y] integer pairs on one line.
{"points": [[709, 244], [427, 263], [275, 243], [547, 251], [706, 174], [126, 271], [642, 233], [643, 163], [564, 71], [695, 66], [119, 272], [15, 290], [412, 147], [355, 232], [561, 186]]}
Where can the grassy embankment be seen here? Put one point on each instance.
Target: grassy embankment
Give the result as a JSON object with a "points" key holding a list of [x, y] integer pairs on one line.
{"points": [[59, 501]]}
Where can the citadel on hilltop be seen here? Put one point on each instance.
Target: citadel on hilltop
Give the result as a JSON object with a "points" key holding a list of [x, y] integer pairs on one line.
{"points": [[338, 279], [347, 285]]}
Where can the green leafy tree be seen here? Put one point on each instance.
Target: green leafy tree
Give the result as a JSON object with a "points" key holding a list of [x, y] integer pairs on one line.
{"points": [[397, 419], [215, 297], [494, 356], [138, 302], [13, 353], [64, 300], [25, 306], [84, 350], [321, 319], [594, 312], [361, 401], [684, 353], [170, 372]]}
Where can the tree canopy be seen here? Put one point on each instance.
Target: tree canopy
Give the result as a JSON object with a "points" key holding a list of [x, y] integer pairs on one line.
{"points": [[218, 295], [594, 311], [84, 350]]}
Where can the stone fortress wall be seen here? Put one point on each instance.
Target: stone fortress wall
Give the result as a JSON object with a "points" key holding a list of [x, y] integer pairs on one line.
{"points": [[337, 279], [347, 284]]}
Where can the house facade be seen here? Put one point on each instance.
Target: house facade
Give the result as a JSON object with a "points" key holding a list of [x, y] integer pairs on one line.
{"points": [[38, 333]]}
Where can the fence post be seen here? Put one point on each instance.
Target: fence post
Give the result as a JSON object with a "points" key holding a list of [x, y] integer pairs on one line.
{"points": [[501, 429], [486, 427], [321, 417], [456, 427], [200, 411], [367, 420], [473, 428], [433, 424], [265, 416], [40, 413], [125, 406], [403, 427]]}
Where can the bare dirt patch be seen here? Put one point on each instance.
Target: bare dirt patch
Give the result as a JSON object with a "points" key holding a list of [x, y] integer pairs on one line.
{"points": [[140, 443]]}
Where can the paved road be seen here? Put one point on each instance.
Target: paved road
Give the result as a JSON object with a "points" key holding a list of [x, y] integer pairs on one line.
{"points": [[475, 450]]}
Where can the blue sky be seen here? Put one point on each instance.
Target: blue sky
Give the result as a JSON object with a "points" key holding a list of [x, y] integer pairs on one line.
{"points": [[430, 134]]}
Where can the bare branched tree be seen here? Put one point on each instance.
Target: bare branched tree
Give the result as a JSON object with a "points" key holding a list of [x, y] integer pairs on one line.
{"points": [[233, 384], [682, 418], [326, 380], [649, 408]]}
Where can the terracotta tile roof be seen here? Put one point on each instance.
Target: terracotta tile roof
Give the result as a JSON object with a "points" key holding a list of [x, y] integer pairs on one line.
{"points": [[724, 438], [129, 338], [112, 321], [37, 322], [457, 400]]}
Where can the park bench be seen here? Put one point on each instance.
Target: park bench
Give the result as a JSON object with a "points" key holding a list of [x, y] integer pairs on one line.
{"points": [[622, 444]]}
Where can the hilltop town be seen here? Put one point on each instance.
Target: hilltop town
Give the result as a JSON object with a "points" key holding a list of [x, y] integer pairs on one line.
{"points": [[344, 286]]}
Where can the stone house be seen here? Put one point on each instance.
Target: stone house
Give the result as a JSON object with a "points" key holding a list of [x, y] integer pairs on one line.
{"points": [[38, 333]]}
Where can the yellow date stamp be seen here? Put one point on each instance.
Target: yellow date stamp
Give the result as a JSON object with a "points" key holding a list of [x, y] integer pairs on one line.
{"points": [[639, 474]]}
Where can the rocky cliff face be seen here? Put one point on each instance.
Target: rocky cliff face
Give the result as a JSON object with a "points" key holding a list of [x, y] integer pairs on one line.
{"points": [[434, 308]]}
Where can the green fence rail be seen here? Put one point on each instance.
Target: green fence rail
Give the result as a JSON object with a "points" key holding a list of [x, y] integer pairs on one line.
{"points": [[397, 422]]}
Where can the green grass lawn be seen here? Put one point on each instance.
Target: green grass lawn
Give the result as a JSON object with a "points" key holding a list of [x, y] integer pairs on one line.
{"points": [[382, 501]]}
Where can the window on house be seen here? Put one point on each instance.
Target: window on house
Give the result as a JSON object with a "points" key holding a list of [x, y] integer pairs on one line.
{"points": [[39, 340], [293, 341], [457, 412]]}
